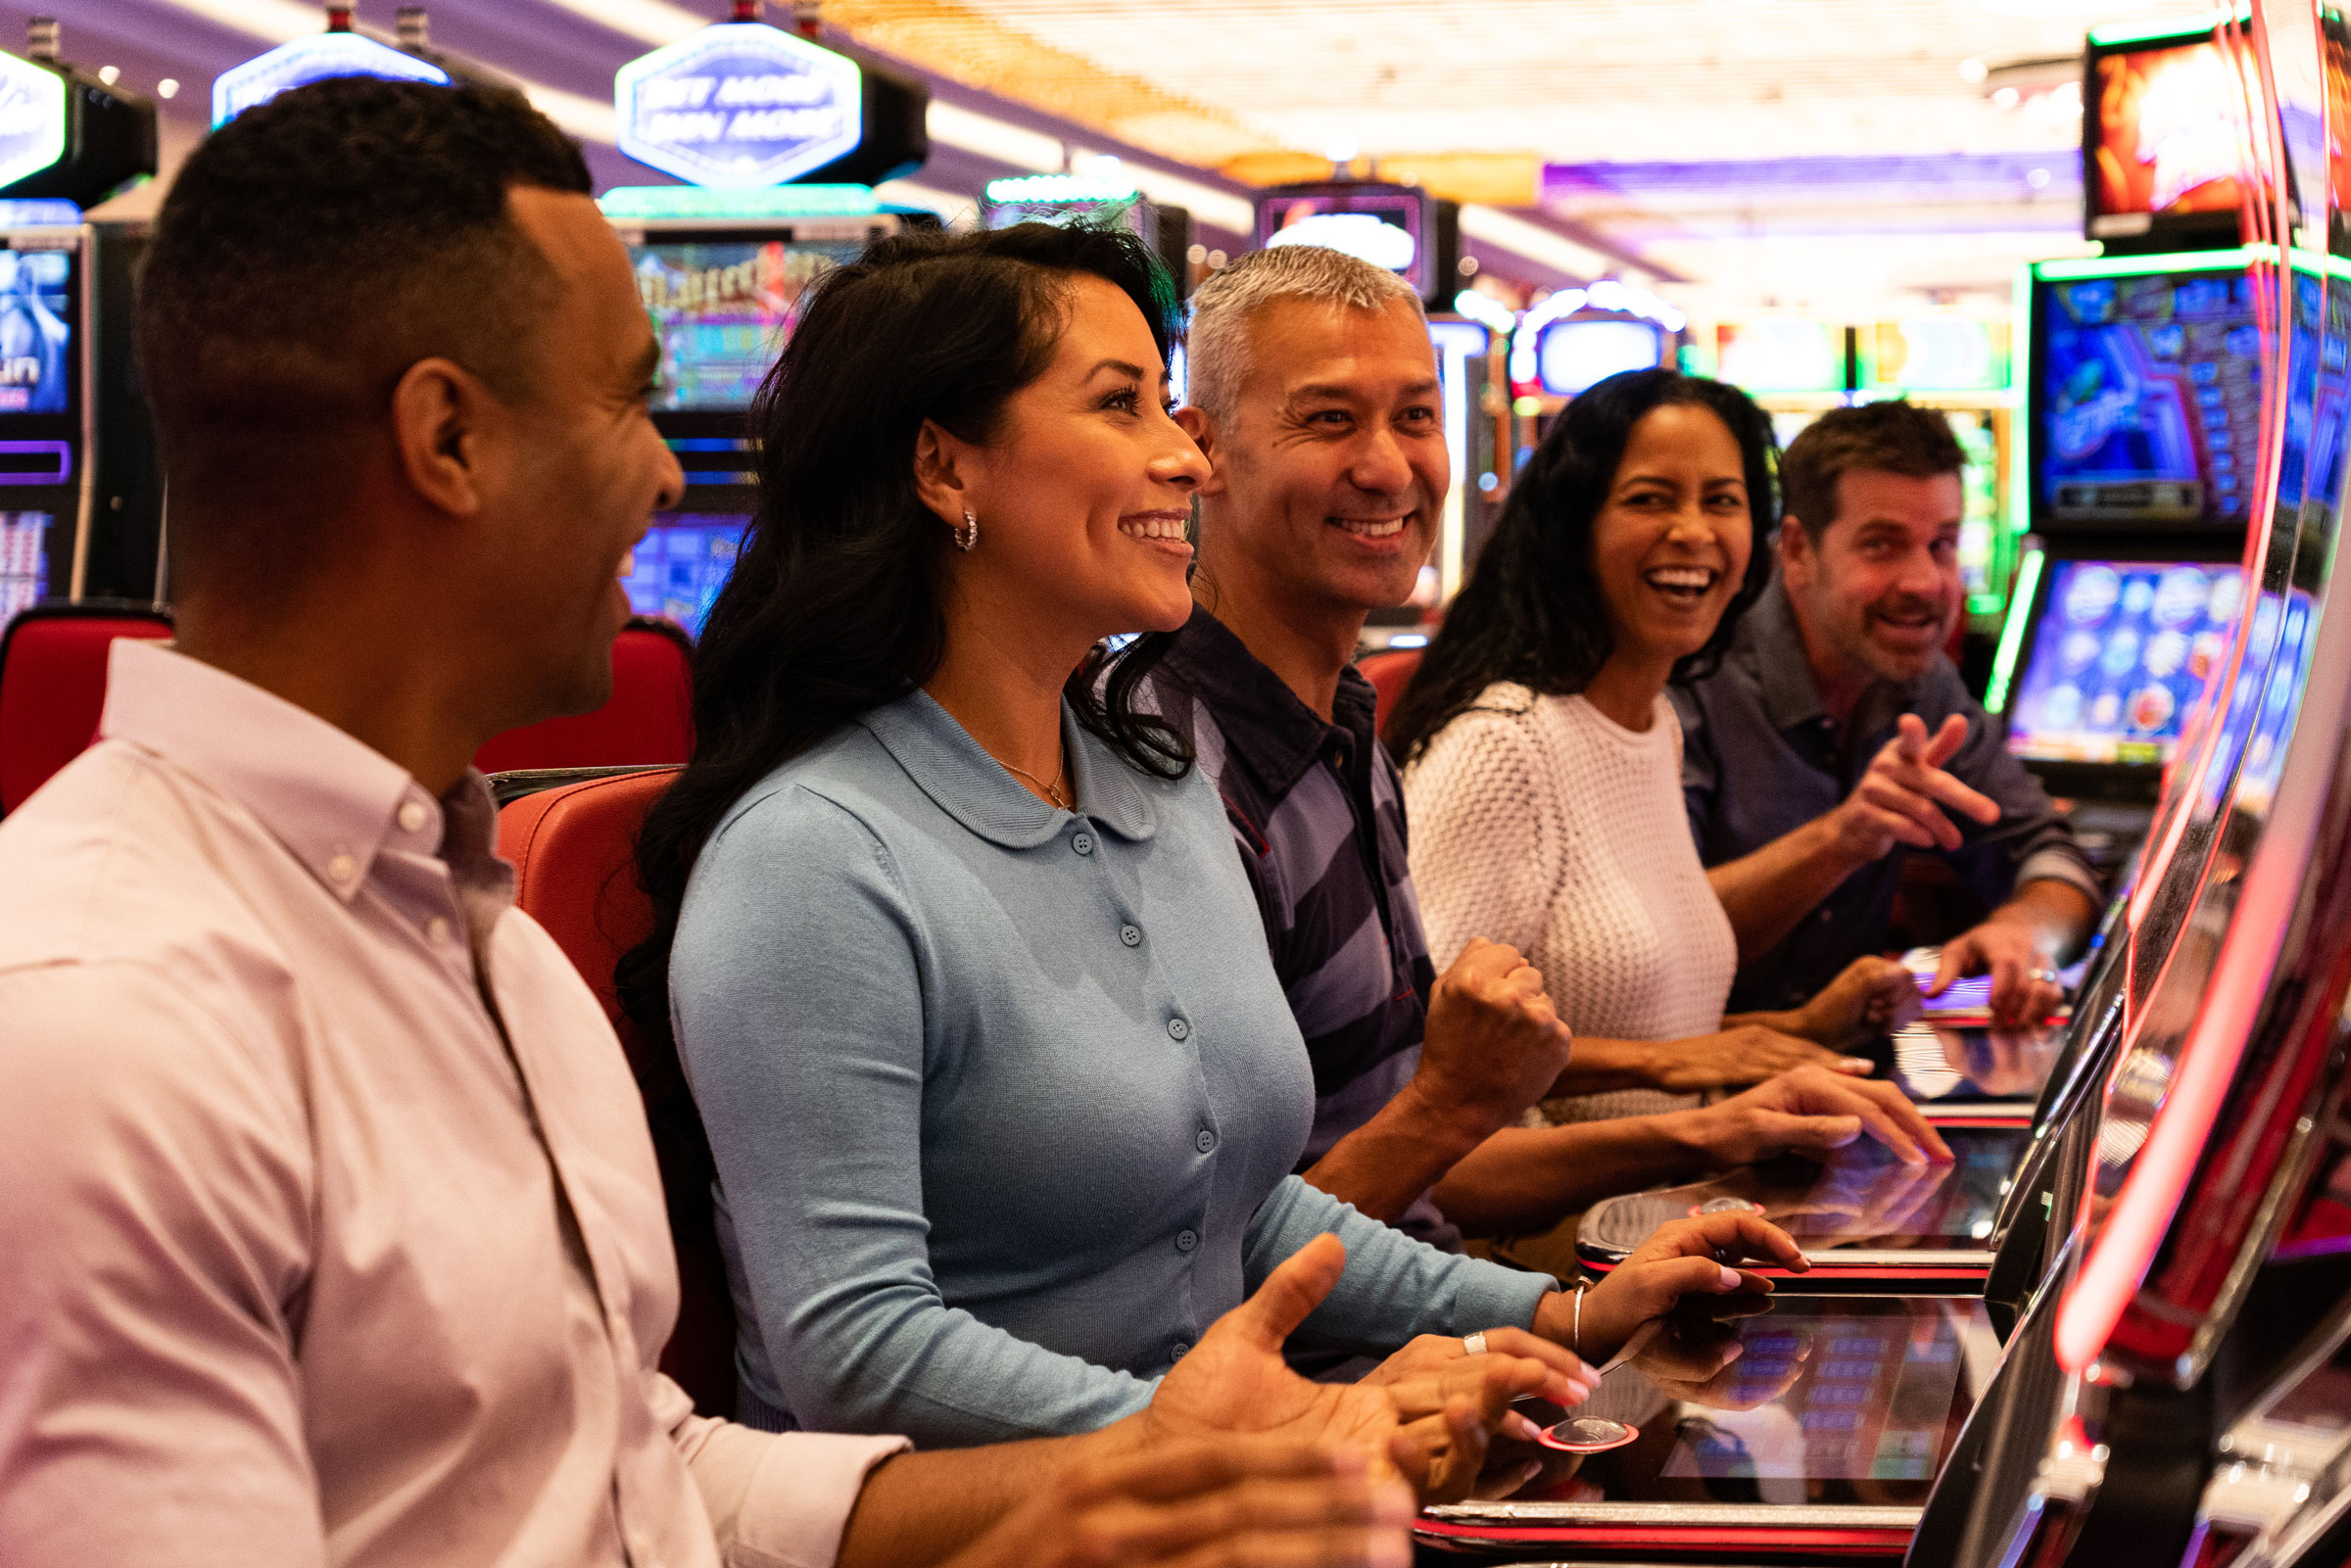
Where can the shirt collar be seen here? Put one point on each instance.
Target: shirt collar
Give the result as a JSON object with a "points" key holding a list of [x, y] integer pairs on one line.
{"points": [[946, 764], [1267, 729], [335, 802]]}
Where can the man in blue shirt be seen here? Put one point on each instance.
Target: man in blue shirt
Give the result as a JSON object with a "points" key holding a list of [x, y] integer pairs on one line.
{"points": [[1837, 738]]}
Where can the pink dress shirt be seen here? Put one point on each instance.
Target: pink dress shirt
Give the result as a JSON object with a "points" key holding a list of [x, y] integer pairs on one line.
{"points": [[304, 1257]]}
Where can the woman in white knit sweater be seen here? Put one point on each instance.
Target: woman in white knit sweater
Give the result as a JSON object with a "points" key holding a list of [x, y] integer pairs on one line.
{"points": [[1543, 779]]}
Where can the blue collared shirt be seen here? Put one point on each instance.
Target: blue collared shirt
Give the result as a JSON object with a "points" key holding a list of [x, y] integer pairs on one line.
{"points": [[1005, 1099], [1761, 757]]}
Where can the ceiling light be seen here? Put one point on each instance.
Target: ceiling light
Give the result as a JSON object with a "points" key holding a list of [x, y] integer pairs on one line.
{"points": [[110, 74], [166, 88], [1973, 70], [990, 138], [2039, 178], [2006, 97]]}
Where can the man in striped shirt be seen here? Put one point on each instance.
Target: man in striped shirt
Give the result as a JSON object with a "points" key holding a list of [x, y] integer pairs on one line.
{"points": [[1313, 391]]}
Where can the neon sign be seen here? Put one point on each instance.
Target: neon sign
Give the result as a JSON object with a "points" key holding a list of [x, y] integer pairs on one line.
{"points": [[32, 119], [739, 104], [314, 58]]}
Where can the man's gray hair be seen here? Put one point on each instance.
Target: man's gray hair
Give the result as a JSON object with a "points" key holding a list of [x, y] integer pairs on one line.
{"points": [[1217, 348]]}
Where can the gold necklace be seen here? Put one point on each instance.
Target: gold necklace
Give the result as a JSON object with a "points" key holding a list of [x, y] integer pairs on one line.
{"points": [[1053, 791]]}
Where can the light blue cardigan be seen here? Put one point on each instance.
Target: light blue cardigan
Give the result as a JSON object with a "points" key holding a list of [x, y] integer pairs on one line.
{"points": [[1005, 1100]]}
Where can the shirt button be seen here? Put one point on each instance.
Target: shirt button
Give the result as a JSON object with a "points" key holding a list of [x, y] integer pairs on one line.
{"points": [[435, 929], [1178, 1029], [1206, 1141], [1178, 1350], [1825, 916], [1186, 1240], [1083, 844], [1132, 935], [342, 869], [411, 816]]}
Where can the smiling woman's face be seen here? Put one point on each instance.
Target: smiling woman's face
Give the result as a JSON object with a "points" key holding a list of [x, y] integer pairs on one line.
{"points": [[1083, 494], [1672, 543]]}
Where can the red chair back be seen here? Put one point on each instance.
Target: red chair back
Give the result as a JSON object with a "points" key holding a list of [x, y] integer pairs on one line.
{"points": [[574, 853], [1389, 674], [646, 722], [53, 687]]}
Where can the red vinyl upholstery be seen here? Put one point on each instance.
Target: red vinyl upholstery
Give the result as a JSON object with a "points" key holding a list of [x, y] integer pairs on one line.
{"points": [[1389, 674], [53, 687], [573, 849], [646, 722]]}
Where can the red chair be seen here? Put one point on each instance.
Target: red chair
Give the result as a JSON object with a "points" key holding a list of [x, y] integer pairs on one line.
{"points": [[1389, 674], [646, 722], [53, 685], [574, 852]]}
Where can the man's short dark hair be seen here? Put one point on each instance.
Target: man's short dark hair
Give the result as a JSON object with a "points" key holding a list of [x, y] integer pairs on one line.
{"points": [[309, 251], [1894, 437]]}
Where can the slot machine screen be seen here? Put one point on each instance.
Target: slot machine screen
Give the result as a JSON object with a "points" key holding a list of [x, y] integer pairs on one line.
{"points": [[23, 561], [36, 331], [680, 565], [2167, 120], [2119, 654], [2148, 402], [722, 310], [1781, 355], [1390, 226], [1571, 355]]}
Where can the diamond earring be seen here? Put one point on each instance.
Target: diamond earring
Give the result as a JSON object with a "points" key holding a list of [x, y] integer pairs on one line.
{"points": [[969, 534]]}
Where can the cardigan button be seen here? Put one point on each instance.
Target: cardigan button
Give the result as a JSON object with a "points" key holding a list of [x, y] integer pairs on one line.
{"points": [[1132, 935], [1178, 1029], [1083, 844]]}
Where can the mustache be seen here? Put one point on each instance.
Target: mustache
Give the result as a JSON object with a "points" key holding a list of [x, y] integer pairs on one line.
{"points": [[1906, 608]]}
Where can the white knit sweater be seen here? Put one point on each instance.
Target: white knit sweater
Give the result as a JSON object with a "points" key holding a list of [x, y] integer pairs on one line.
{"points": [[1541, 823]]}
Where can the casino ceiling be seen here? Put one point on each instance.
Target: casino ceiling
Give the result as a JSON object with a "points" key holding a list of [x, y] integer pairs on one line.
{"points": [[1795, 153]]}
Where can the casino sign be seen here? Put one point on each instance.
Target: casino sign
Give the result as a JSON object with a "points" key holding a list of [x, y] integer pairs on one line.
{"points": [[739, 104], [32, 119], [310, 59]]}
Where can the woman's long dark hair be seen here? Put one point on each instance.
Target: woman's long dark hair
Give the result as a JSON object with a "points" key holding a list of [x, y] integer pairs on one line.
{"points": [[835, 604], [1531, 613]]}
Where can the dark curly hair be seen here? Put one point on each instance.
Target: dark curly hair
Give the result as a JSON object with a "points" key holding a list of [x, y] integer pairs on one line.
{"points": [[835, 604], [311, 250], [1532, 611]]}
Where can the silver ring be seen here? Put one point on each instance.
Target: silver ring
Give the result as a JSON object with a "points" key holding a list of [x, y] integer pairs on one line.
{"points": [[2044, 975], [1473, 1344]]}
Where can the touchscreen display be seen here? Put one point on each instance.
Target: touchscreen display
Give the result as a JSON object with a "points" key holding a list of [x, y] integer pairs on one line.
{"points": [[1936, 1062], [1846, 1400], [2152, 403], [36, 339], [722, 311], [2121, 652], [1861, 1198], [680, 565]]}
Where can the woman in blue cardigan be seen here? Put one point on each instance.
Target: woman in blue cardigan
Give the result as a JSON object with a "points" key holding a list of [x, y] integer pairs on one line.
{"points": [[1003, 1095]]}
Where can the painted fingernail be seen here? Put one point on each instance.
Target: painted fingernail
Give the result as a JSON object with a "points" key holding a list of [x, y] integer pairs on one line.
{"points": [[1730, 1278], [1519, 1429], [1860, 1065]]}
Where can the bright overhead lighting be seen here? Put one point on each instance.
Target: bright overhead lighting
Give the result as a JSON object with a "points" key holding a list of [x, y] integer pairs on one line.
{"points": [[657, 21], [166, 88], [990, 138], [110, 74], [283, 21], [1537, 244], [1973, 70]]}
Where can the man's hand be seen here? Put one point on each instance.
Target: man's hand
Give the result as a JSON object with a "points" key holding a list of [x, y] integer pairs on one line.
{"points": [[1683, 1258], [1809, 1112], [1217, 1502], [1873, 996], [1741, 1054], [2024, 973], [1493, 1046], [1432, 1429], [1900, 799]]}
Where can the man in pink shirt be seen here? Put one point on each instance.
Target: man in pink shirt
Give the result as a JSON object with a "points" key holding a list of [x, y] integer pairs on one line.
{"points": [[331, 1230]]}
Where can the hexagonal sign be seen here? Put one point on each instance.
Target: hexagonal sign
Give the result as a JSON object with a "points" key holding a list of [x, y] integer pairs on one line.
{"points": [[32, 119], [739, 104], [314, 58]]}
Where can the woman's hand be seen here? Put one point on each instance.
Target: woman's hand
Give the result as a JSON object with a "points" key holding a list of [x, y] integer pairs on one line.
{"points": [[1810, 1113], [1682, 1259], [1874, 996], [1444, 1356], [1742, 1054], [1250, 1501]]}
